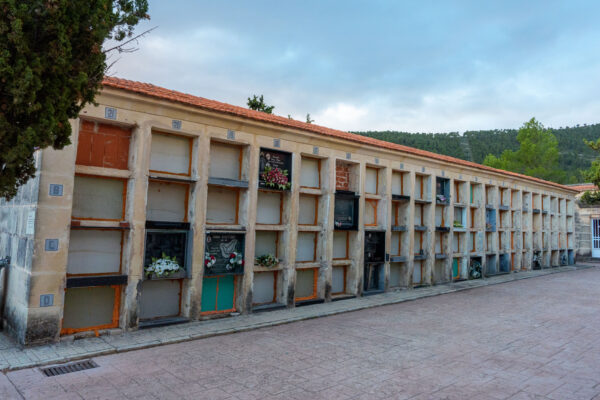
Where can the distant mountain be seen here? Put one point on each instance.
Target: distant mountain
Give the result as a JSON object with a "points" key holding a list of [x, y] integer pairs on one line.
{"points": [[575, 156]]}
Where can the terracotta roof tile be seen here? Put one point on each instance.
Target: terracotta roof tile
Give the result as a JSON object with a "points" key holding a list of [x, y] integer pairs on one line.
{"points": [[583, 187], [212, 105]]}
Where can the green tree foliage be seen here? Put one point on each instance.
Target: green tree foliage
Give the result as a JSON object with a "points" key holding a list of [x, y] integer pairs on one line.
{"points": [[537, 155], [574, 155], [258, 104], [593, 174], [309, 120], [51, 65]]}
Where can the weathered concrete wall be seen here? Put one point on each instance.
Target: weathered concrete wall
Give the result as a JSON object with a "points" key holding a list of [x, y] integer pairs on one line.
{"points": [[17, 242], [366, 170], [583, 228]]}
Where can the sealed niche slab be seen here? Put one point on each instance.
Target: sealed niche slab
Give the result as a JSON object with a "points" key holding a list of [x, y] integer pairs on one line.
{"points": [[97, 198], [308, 210], [396, 243], [396, 275], [275, 170], [224, 253], [306, 247], [398, 183], [170, 154], [266, 243], [339, 276], [370, 214], [218, 294], [341, 243], [222, 206], [306, 284], [505, 263], [165, 252], [310, 173], [417, 275], [90, 308], [346, 211], [103, 145], [374, 247], [439, 272], [160, 299], [269, 208], [94, 252], [167, 201], [225, 161], [371, 180], [264, 288]]}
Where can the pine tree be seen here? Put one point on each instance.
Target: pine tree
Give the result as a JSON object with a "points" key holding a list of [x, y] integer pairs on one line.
{"points": [[51, 65], [258, 104]]}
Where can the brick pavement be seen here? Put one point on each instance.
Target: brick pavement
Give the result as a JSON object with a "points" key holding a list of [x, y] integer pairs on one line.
{"points": [[527, 339]]}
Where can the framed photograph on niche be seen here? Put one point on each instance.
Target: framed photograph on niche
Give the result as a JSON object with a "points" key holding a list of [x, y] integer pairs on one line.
{"points": [[275, 170], [224, 253]]}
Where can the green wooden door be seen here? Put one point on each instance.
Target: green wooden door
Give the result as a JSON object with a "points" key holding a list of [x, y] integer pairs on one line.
{"points": [[218, 293], [225, 293], [455, 270]]}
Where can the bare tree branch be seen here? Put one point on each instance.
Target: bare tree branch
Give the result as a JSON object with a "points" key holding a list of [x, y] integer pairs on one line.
{"points": [[121, 46]]}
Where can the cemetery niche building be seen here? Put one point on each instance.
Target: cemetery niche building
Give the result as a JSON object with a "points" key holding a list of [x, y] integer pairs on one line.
{"points": [[169, 207]]}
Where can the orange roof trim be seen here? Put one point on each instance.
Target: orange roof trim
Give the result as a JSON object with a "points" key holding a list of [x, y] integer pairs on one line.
{"points": [[216, 106], [583, 187]]}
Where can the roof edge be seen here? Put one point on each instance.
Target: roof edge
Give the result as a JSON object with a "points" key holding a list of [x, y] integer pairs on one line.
{"points": [[225, 108]]}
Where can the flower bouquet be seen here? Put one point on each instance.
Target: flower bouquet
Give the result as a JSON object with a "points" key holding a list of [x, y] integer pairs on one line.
{"points": [[267, 260], [162, 267], [209, 260], [275, 178], [458, 224], [235, 259]]}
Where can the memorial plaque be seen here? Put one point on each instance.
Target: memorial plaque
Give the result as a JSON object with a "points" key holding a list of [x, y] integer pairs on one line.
{"points": [[275, 170], [161, 244], [224, 253], [346, 211], [374, 247]]}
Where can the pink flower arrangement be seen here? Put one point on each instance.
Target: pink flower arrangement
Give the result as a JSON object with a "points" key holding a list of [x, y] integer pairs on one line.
{"points": [[275, 178]]}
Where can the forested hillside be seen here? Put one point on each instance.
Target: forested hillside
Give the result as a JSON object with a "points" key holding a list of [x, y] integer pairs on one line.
{"points": [[475, 145]]}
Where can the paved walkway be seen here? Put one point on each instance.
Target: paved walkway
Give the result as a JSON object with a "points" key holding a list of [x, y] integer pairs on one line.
{"points": [[14, 357], [534, 339]]}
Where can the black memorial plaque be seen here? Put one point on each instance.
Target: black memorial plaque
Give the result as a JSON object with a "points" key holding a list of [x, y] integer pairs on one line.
{"points": [[275, 170], [170, 243], [222, 252], [345, 213], [374, 247]]}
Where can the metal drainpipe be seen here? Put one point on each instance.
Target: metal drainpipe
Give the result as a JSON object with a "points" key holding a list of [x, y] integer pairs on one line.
{"points": [[4, 263]]}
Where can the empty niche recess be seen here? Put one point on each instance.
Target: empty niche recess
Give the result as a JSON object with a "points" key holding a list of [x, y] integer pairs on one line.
{"points": [[226, 161], [95, 252], [264, 288], [310, 173], [346, 176], [99, 198], [306, 247], [103, 145], [308, 210], [222, 206], [341, 244], [90, 308], [167, 201], [171, 154], [306, 284], [269, 208]]}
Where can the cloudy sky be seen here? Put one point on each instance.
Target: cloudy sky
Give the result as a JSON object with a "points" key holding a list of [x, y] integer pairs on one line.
{"points": [[417, 66]]}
